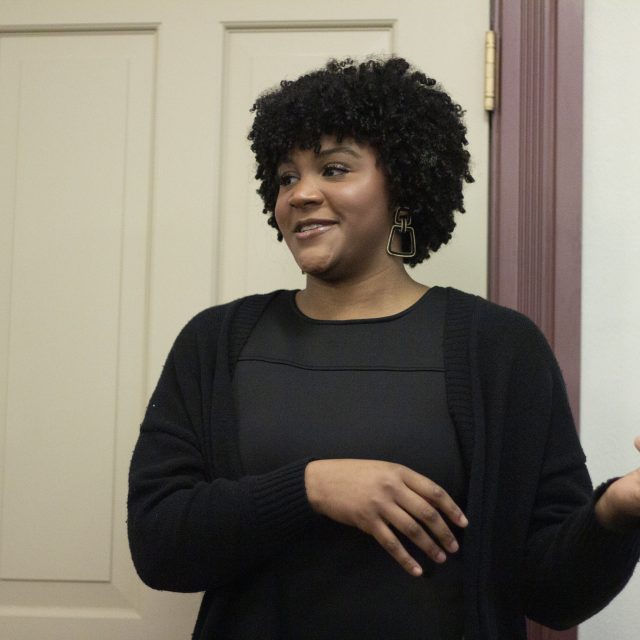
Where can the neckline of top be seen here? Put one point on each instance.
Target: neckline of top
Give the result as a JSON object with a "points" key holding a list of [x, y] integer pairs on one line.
{"points": [[394, 316]]}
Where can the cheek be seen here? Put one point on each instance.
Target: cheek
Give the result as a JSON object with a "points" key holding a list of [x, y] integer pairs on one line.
{"points": [[279, 212], [372, 196]]}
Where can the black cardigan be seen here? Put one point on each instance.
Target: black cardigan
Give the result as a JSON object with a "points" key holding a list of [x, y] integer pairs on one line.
{"points": [[533, 546]]}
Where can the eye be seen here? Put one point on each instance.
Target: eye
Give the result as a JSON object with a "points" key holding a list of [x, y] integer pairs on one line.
{"points": [[334, 170], [286, 179]]}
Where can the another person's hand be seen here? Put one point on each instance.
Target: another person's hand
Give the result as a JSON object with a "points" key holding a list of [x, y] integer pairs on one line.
{"points": [[619, 506], [379, 497]]}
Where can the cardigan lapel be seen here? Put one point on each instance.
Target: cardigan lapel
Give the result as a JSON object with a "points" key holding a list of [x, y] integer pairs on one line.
{"points": [[464, 398], [237, 324]]}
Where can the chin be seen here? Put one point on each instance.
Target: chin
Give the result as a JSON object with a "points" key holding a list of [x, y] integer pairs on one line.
{"points": [[317, 266], [316, 270], [327, 273]]}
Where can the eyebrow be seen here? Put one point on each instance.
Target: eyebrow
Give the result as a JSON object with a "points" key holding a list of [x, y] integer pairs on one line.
{"points": [[327, 152], [338, 149]]}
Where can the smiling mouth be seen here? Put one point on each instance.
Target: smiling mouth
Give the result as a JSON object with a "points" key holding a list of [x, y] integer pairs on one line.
{"points": [[310, 229]]}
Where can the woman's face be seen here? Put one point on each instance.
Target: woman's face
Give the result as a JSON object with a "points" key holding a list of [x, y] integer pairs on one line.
{"points": [[333, 209]]}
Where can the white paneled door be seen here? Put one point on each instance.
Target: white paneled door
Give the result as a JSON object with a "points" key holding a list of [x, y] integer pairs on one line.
{"points": [[127, 203]]}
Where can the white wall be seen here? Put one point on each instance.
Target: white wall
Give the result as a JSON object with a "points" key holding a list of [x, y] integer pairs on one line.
{"points": [[611, 267]]}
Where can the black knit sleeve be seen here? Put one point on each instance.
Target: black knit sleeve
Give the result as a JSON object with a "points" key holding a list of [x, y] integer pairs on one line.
{"points": [[189, 530], [574, 567]]}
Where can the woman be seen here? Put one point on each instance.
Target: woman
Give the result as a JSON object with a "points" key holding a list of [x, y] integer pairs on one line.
{"points": [[367, 457]]}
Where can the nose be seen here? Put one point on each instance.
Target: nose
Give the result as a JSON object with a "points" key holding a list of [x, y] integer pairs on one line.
{"points": [[305, 192]]}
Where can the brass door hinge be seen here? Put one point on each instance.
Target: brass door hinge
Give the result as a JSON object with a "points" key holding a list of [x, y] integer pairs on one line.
{"points": [[490, 71]]}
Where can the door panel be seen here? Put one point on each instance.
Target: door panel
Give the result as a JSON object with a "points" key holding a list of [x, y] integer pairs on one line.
{"points": [[127, 203], [76, 117]]}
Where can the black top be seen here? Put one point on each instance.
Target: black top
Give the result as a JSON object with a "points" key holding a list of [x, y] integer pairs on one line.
{"points": [[369, 388]]}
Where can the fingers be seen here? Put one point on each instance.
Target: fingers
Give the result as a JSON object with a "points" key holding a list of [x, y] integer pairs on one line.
{"points": [[436, 496], [421, 511], [418, 511], [637, 443], [390, 543], [407, 525]]}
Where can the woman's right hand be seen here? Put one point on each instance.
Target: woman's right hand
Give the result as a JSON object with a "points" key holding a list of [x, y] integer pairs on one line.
{"points": [[379, 497]]}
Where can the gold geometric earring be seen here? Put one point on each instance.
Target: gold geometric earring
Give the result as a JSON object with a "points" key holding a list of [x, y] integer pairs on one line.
{"points": [[402, 225]]}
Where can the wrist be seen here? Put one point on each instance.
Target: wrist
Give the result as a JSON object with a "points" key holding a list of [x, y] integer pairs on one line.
{"points": [[610, 517]]}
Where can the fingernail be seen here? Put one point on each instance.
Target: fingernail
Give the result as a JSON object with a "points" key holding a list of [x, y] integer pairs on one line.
{"points": [[417, 570], [441, 557], [463, 521], [453, 547]]}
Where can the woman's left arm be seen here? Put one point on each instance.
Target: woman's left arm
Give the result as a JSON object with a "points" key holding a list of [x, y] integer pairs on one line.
{"points": [[583, 545]]}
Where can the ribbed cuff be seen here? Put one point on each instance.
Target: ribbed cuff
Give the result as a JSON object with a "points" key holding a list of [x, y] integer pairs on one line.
{"points": [[632, 526], [607, 547], [279, 497]]}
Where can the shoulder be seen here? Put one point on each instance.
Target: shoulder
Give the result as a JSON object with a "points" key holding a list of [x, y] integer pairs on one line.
{"points": [[204, 328], [497, 328], [487, 312], [246, 306]]}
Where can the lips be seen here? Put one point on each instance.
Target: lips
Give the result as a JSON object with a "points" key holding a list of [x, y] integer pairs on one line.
{"points": [[308, 227], [311, 228]]}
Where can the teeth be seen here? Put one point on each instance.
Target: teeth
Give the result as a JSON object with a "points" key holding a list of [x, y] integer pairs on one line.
{"points": [[308, 227]]}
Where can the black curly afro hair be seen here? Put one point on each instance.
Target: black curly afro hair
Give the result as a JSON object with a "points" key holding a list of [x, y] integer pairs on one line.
{"points": [[414, 127]]}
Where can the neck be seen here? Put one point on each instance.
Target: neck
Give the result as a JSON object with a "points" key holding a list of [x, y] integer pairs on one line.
{"points": [[375, 295]]}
